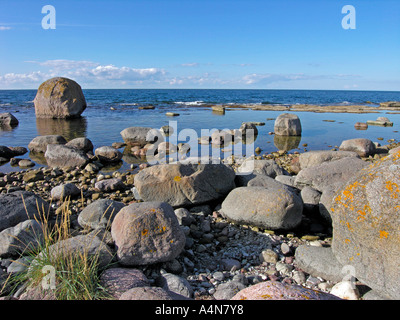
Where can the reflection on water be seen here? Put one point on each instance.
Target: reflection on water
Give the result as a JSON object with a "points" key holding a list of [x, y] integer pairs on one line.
{"points": [[287, 143], [69, 129], [38, 157]]}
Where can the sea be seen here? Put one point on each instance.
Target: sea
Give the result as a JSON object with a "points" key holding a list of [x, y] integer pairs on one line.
{"points": [[110, 111]]}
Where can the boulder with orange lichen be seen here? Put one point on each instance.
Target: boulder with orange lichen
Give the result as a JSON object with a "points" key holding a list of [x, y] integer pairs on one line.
{"points": [[147, 233], [366, 225]]}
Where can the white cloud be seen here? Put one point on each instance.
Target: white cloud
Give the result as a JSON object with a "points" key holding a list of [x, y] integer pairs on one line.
{"points": [[193, 64], [3, 28], [84, 72]]}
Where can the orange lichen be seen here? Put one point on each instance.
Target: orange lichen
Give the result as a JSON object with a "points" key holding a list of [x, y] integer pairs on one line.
{"points": [[177, 179], [347, 241], [393, 188], [145, 232], [383, 234]]}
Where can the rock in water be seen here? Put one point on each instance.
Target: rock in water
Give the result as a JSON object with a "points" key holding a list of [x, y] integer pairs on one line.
{"points": [[287, 124], [185, 184], [39, 144], [82, 143], [147, 233], [8, 120], [273, 207], [366, 225], [139, 135], [363, 147], [59, 98], [108, 154]]}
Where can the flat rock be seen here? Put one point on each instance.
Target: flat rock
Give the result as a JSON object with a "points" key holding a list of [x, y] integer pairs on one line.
{"points": [[39, 144], [319, 262]]}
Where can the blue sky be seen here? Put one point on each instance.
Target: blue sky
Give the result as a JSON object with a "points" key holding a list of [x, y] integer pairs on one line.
{"points": [[246, 44]]}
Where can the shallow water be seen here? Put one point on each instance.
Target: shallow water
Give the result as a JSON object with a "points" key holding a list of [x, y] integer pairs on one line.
{"points": [[103, 126]]}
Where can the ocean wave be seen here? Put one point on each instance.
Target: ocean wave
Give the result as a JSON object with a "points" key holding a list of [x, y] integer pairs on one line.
{"points": [[5, 104], [190, 103], [129, 104]]}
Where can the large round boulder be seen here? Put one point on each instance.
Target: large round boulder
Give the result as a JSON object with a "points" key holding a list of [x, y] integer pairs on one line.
{"points": [[272, 206], [59, 98], [366, 225], [147, 233]]}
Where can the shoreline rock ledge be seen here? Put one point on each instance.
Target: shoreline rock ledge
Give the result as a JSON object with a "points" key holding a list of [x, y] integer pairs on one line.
{"points": [[59, 98]]}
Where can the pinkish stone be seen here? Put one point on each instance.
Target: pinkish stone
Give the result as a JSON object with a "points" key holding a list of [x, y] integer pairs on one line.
{"points": [[118, 280], [273, 290]]}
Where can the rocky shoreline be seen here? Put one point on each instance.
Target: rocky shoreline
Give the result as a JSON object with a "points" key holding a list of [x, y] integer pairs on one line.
{"points": [[220, 256]]}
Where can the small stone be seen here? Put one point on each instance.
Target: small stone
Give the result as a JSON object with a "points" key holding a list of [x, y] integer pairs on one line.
{"points": [[299, 277], [219, 276], [346, 290], [285, 249], [269, 256]]}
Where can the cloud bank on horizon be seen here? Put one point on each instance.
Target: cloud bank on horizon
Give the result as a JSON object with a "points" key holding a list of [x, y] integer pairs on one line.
{"points": [[221, 44]]}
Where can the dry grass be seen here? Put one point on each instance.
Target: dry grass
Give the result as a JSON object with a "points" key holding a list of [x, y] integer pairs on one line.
{"points": [[72, 274]]}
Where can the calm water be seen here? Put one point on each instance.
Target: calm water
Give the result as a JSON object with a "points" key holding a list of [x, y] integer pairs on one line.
{"points": [[103, 126]]}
